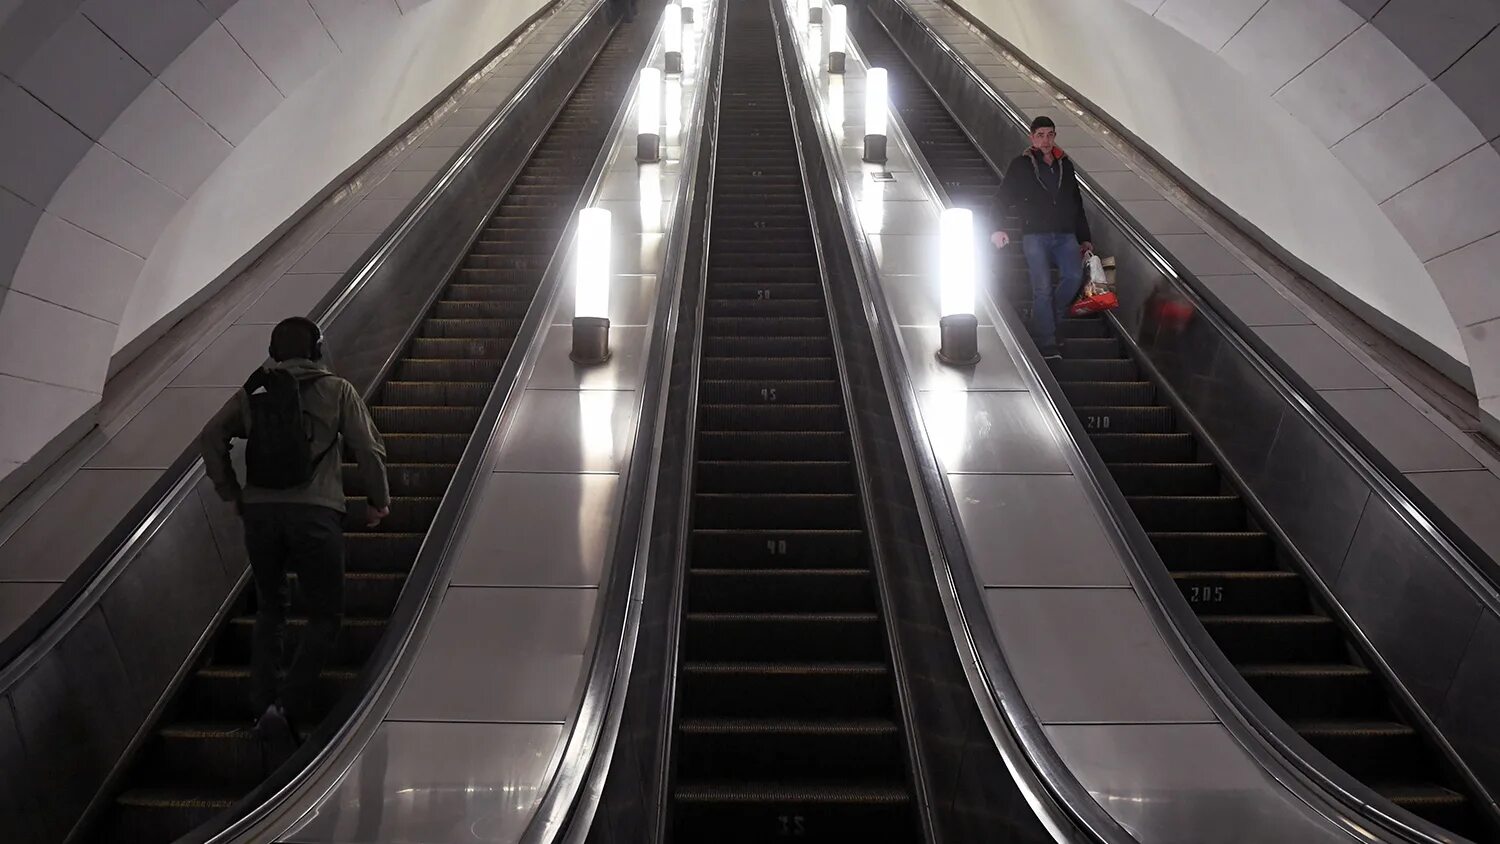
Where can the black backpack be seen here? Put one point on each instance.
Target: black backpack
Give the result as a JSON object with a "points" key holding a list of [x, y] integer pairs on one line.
{"points": [[279, 452]]}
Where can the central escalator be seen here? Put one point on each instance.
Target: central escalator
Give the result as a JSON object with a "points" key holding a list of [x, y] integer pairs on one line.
{"points": [[788, 719], [1250, 596], [202, 756]]}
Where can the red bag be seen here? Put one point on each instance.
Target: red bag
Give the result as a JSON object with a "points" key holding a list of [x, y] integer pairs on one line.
{"points": [[1099, 303]]}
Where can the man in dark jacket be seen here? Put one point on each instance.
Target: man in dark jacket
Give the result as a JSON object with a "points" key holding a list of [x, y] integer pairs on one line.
{"points": [[298, 529], [1041, 190]]}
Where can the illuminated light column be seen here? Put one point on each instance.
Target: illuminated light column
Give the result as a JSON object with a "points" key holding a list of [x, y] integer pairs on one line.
{"points": [[591, 287], [875, 115], [671, 37], [648, 116], [838, 38], [814, 11], [958, 326]]}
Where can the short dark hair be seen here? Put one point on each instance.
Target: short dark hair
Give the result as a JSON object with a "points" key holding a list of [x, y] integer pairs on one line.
{"points": [[1043, 122], [295, 337]]}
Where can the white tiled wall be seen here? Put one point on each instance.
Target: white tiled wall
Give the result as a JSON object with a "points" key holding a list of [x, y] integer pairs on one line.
{"points": [[119, 113]]}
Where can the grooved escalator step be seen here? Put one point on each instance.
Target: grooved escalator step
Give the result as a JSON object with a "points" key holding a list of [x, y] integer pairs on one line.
{"points": [[227, 755], [786, 690], [461, 348], [767, 391], [464, 329], [425, 448], [1084, 328], [367, 594], [1243, 592], [418, 393], [434, 369], [357, 639], [1277, 638], [770, 476], [1127, 419], [392, 552], [1092, 348], [1113, 393], [773, 445], [807, 295], [1166, 478], [767, 347], [512, 295], [771, 279], [1317, 691], [737, 813], [1214, 551], [772, 416], [1145, 448], [408, 512], [1443, 806], [454, 308], [794, 636], [777, 511], [779, 547], [1365, 748], [854, 750], [1095, 370], [766, 326], [422, 479], [435, 419], [750, 306], [779, 368], [780, 590], [155, 814], [224, 692], [1217, 513]]}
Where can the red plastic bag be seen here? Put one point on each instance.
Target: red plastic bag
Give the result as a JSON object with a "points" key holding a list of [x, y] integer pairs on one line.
{"points": [[1098, 303]]}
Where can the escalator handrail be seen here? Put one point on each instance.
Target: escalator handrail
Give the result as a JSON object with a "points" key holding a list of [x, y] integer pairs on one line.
{"points": [[1059, 799], [85, 586], [568, 807], [1282, 752], [311, 776]]}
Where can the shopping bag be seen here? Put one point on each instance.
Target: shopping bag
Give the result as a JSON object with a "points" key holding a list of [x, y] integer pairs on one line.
{"points": [[1098, 289]]}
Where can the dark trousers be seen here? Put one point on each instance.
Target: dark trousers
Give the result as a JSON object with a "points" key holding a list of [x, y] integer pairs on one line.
{"points": [[624, 9], [307, 540], [1050, 306]]}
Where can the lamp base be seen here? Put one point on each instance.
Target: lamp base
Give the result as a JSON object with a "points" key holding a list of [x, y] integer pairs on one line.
{"points": [[590, 340], [674, 61], [648, 147], [815, 15], [875, 149], [837, 62], [687, 14], [959, 335]]}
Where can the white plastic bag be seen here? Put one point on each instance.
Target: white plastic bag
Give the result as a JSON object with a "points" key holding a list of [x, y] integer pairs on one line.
{"points": [[1095, 281]]}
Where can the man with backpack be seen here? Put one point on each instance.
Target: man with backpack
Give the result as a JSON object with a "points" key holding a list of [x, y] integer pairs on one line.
{"points": [[1041, 188], [293, 415]]}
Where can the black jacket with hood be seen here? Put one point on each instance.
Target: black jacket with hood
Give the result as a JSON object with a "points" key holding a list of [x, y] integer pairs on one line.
{"points": [[1042, 209]]}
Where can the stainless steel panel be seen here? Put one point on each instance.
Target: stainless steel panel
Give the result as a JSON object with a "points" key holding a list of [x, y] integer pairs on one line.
{"points": [[1097, 159], [54, 541], [155, 436], [470, 668], [1034, 530], [421, 782], [900, 216], [457, 136], [995, 370], [1158, 216], [569, 431], [1469, 498], [556, 371], [539, 530], [1414, 610], [1318, 358], [79, 711], [17, 806], [229, 359], [227, 528], [904, 187], [1244, 421], [432, 159], [1399, 432], [631, 298], [18, 601], [1122, 186], [634, 255], [291, 295], [990, 432], [336, 253], [1469, 716], [468, 116], [913, 300], [1253, 301], [1202, 255], [1090, 656], [178, 572], [371, 216], [1319, 499], [1187, 783]]}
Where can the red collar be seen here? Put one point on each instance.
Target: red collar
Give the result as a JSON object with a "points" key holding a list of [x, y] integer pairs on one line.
{"points": [[1057, 153]]}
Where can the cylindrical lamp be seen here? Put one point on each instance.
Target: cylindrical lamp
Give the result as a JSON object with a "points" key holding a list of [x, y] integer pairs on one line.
{"points": [[648, 116], [838, 38], [815, 11], [875, 115], [671, 37], [688, 15], [957, 324], [591, 287]]}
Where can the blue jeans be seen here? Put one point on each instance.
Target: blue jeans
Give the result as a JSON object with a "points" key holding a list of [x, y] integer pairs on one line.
{"points": [[1048, 306]]}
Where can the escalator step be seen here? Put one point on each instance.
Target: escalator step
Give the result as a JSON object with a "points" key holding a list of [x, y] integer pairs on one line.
{"points": [[425, 448], [1127, 420], [770, 368], [1095, 370], [1218, 513], [1277, 638], [738, 812], [853, 750], [421, 479], [1146, 448], [767, 416], [1092, 348], [417, 369], [418, 393], [1243, 592], [779, 547], [780, 590], [773, 445], [815, 476], [1166, 478], [1365, 749], [777, 511], [764, 391], [215, 693], [388, 552], [435, 419], [799, 637], [357, 639], [1317, 691], [466, 329], [786, 690], [1109, 393], [1214, 551]]}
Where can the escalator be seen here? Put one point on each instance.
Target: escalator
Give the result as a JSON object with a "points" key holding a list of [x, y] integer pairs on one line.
{"points": [[788, 719], [202, 756], [1249, 594]]}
